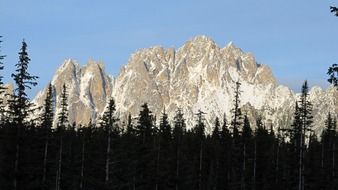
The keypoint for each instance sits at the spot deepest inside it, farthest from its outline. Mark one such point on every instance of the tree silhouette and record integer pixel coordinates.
(19, 104)
(47, 123)
(2, 88)
(61, 127)
(334, 10)
(333, 70)
(333, 75)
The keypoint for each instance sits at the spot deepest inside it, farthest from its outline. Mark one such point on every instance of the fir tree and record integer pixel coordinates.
(246, 152)
(145, 125)
(146, 156)
(163, 152)
(19, 104)
(165, 130)
(47, 123)
(61, 126)
(306, 119)
(200, 136)
(178, 134)
(328, 152)
(214, 176)
(236, 112)
(236, 148)
(226, 143)
(108, 122)
(2, 88)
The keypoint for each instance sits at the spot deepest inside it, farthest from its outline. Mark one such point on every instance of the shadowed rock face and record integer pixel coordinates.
(199, 75)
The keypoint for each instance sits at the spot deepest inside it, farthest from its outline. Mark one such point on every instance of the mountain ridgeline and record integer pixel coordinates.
(200, 118)
(197, 76)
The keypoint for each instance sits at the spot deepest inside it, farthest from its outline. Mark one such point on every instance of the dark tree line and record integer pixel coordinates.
(142, 153)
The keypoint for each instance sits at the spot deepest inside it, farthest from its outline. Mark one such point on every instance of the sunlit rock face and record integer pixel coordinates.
(88, 89)
(198, 75)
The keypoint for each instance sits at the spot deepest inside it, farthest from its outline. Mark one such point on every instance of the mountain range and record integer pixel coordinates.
(200, 75)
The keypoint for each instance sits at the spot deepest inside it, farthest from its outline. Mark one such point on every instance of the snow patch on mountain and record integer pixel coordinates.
(197, 76)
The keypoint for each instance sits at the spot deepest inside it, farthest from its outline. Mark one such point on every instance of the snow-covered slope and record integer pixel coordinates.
(199, 75)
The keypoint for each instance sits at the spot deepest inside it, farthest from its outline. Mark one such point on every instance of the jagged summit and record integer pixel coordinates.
(198, 75)
(89, 88)
(201, 39)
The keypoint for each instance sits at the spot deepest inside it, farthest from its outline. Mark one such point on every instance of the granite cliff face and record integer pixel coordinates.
(88, 87)
(199, 75)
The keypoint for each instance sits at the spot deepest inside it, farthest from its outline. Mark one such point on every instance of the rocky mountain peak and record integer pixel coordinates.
(89, 88)
(201, 40)
(198, 75)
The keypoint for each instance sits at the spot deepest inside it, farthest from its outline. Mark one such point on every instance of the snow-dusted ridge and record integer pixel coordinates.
(198, 75)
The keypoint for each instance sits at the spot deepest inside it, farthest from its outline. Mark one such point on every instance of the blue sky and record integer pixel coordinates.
(296, 38)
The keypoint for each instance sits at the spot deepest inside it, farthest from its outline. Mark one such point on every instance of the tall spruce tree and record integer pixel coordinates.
(19, 104)
(328, 160)
(226, 143)
(178, 134)
(47, 123)
(302, 125)
(236, 121)
(200, 137)
(108, 122)
(61, 127)
(164, 141)
(246, 153)
(215, 179)
(145, 152)
(145, 124)
(307, 120)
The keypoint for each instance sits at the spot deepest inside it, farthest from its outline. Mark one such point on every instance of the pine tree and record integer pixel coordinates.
(163, 152)
(47, 123)
(263, 157)
(200, 137)
(19, 105)
(306, 124)
(145, 125)
(2, 88)
(226, 143)
(236, 152)
(178, 134)
(312, 161)
(246, 149)
(165, 130)
(328, 151)
(214, 176)
(146, 151)
(61, 126)
(108, 122)
(236, 111)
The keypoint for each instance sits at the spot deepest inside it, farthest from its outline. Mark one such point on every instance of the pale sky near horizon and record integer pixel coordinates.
(297, 39)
